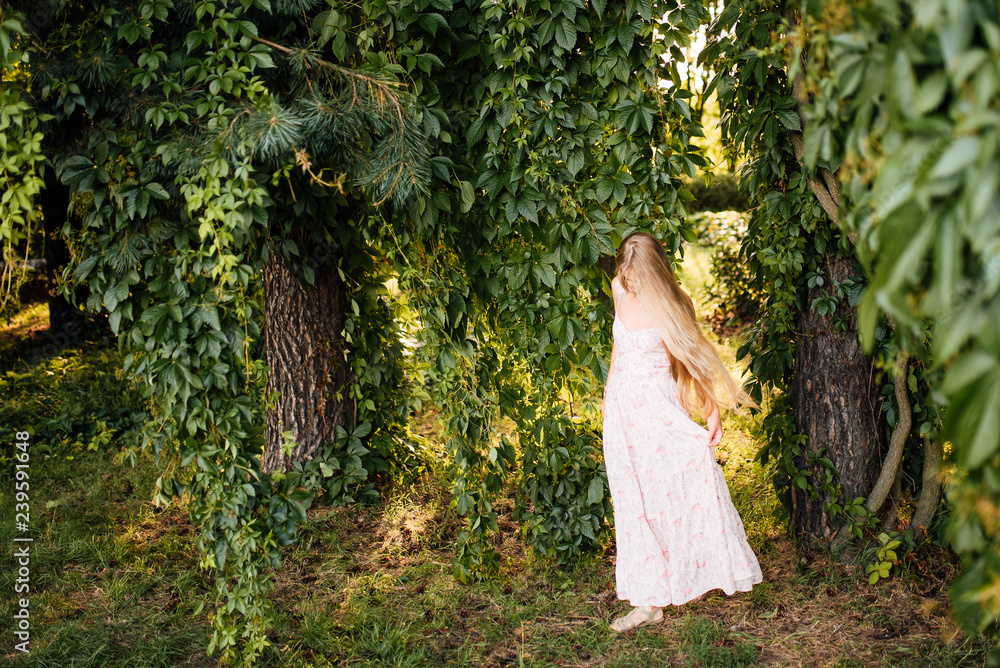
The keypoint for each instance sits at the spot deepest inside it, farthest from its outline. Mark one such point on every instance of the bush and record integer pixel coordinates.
(71, 402)
(735, 293)
(564, 478)
(720, 193)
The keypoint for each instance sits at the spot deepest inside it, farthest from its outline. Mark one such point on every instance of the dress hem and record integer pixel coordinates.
(741, 588)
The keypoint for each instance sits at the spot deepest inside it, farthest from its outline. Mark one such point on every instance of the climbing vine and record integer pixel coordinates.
(421, 140)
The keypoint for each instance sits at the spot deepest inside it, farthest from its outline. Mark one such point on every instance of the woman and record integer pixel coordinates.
(677, 532)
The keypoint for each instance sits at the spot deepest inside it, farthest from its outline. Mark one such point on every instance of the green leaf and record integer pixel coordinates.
(431, 22)
(153, 314)
(961, 152)
(114, 320)
(566, 34)
(984, 414)
(156, 190)
(528, 209)
(814, 136)
(904, 84)
(595, 493)
(468, 196)
(516, 275)
(967, 369)
(605, 187)
(547, 275)
(789, 118)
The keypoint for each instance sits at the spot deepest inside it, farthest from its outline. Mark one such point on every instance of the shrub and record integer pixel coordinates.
(720, 193)
(735, 293)
(564, 477)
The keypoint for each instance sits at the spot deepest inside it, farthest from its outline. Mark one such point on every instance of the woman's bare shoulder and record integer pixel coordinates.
(616, 288)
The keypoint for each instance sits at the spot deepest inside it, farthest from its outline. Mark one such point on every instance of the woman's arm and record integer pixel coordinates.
(714, 422)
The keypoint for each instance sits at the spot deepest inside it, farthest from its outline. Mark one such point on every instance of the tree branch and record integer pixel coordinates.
(829, 194)
(347, 72)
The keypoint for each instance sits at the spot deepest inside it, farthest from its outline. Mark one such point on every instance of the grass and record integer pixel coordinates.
(115, 580)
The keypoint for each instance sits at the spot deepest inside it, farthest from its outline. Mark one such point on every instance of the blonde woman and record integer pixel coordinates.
(678, 535)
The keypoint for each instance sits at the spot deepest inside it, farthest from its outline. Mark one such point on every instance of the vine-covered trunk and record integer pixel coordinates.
(835, 402)
(305, 353)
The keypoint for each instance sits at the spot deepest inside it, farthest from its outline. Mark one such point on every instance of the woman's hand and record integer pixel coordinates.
(714, 426)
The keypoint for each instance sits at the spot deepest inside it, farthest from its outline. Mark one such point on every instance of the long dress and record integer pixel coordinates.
(678, 534)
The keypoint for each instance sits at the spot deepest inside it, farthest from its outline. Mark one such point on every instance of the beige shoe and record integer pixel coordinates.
(638, 617)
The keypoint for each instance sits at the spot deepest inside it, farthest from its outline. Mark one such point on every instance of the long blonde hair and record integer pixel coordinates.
(695, 364)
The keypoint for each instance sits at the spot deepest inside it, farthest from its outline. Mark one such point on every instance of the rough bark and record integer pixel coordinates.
(55, 203)
(930, 491)
(834, 401)
(895, 499)
(305, 353)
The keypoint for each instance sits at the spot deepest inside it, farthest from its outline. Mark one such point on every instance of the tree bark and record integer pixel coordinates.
(55, 203)
(930, 491)
(306, 356)
(834, 401)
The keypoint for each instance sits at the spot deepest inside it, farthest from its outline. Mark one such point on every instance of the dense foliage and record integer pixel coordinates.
(20, 158)
(487, 156)
(905, 96)
(423, 140)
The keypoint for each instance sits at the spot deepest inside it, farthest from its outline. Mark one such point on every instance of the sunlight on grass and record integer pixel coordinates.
(695, 275)
(33, 317)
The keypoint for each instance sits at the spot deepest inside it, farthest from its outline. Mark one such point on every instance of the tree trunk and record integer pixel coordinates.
(835, 404)
(305, 353)
(55, 203)
(930, 491)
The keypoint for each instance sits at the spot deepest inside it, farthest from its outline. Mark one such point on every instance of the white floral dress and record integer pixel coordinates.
(678, 534)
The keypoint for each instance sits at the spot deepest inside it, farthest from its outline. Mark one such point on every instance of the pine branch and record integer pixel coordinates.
(374, 81)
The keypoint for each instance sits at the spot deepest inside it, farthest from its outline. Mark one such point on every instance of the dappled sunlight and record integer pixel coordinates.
(26, 323)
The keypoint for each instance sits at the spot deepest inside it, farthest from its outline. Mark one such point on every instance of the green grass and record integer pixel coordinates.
(115, 580)
(707, 643)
